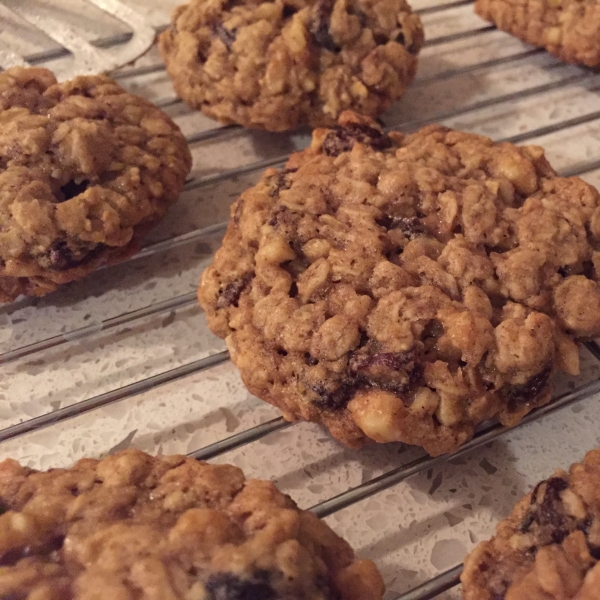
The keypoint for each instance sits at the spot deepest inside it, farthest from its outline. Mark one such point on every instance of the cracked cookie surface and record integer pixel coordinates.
(569, 29)
(280, 64)
(407, 288)
(549, 547)
(85, 169)
(136, 527)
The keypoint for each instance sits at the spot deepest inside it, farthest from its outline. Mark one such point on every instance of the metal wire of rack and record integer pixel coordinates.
(554, 81)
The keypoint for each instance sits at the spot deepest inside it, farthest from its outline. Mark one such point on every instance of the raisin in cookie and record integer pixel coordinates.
(407, 288)
(569, 29)
(143, 528)
(549, 547)
(85, 168)
(283, 63)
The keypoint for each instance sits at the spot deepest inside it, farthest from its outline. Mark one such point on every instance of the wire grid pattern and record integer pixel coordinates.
(471, 76)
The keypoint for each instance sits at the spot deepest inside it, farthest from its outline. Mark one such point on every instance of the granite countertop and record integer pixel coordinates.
(471, 77)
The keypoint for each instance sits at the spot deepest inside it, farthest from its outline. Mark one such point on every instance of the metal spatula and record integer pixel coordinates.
(88, 58)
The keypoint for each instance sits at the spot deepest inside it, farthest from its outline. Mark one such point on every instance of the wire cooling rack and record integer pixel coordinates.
(124, 358)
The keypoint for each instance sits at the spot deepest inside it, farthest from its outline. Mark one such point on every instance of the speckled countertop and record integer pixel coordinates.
(471, 77)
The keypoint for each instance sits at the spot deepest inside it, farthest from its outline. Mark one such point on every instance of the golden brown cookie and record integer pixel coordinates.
(549, 547)
(135, 527)
(280, 64)
(407, 288)
(569, 29)
(85, 169)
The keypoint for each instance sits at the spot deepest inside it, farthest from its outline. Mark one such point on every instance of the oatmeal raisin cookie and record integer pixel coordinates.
(407, 288)
(279, 64)
(549, 547)
(569, 29)
(135, 527)
(85, 168)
